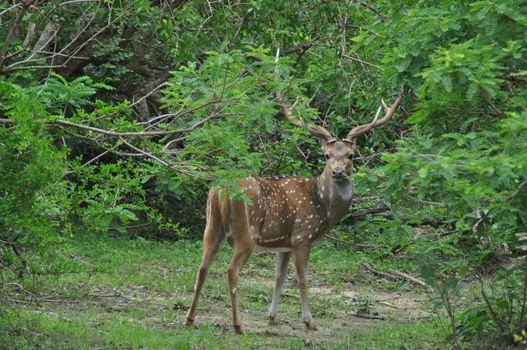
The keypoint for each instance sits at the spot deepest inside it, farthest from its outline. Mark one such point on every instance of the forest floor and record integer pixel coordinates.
(133, 294)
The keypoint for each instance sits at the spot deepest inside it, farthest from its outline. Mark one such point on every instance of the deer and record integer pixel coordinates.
(285, 215)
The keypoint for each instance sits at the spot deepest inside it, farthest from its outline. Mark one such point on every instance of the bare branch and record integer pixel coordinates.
(53, 66)
(117, 134)
(392, 274)
(371, 317)
(144, 132)
(372, 9)
(10, 9)
(10, 36)
(155, 158)
(148, 94)
(301, 47)
(356, 58)
(160, 118)
(49, 32)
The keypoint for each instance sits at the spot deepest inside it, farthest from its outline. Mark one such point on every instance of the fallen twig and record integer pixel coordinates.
(396, 275)
(385, 303)
(371, 317)
(333, 238)
(409, 278)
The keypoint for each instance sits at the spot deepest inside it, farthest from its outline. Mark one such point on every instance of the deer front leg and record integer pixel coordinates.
(301, 260)
(282, 260)
(239, 258)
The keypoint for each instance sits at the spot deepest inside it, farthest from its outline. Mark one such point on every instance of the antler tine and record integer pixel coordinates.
(314, 130)
(288, 112)
(363, 129)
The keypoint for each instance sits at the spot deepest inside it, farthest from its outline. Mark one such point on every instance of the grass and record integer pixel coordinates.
(133, 294)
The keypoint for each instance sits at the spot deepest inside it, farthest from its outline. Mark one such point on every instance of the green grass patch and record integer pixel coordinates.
(133, 294)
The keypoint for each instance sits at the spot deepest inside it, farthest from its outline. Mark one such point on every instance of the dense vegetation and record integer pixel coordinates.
(116, 117)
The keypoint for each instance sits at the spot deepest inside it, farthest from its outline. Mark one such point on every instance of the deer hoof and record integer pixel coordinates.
(310, 325)
(238, 330)
(189, 322)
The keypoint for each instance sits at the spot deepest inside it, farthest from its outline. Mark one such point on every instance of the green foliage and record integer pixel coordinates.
(204, 74)
(33, 192)
(466, 160)
(60, 93)
(108, 197)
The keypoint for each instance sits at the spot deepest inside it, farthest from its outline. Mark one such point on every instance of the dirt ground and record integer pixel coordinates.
(341, 308)
(381, 306)
(353, 312)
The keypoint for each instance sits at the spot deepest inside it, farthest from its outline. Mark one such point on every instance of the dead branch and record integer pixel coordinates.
(115, 133)
(373, 9)
(371, 317)
(333, 238)
(9, 9)
(155, 158)
(493, 313)
(520, 188)
(395, 275)
(29, 35)
(11, 34)
(400, 247)
(385, 303)
(301, 47)
(365, 214)
(149, 93)
(53, 66)
(49, 32)
(15, 250)
(21, 287)
(356, 58)
(381, 211)
(409, 278)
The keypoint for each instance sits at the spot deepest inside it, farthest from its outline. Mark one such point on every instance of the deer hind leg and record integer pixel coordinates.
(212, 238)
(282, 260)
(301, 260)
(239, 258)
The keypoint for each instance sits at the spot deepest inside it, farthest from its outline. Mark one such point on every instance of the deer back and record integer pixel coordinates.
(281, 213)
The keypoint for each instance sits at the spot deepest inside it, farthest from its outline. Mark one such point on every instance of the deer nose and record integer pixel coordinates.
(338, 173)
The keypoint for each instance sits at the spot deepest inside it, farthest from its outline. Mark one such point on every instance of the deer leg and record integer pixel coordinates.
(239, 258)
(211, 243)
(282, 260)
(301, 260)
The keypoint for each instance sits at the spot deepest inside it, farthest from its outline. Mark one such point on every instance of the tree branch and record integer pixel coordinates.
(115, 133)
(10, 36)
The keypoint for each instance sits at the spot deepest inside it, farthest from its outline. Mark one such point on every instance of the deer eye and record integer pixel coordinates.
(351, 156)
(326, 156)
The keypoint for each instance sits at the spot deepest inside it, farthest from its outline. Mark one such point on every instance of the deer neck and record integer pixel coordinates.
(335, 196)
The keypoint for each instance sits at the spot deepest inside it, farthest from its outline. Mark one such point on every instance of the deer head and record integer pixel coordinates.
(339, 154)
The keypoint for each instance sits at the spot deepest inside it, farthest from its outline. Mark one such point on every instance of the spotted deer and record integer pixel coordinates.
(284, 215)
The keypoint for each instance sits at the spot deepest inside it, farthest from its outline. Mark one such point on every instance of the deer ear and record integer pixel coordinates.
(324, 142)
(351, 144)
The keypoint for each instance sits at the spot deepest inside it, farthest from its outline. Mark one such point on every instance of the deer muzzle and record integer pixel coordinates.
(338, 174)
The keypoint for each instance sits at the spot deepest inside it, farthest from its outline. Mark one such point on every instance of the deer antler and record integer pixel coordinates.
(363, 129)
(314, 130)
(288, 112)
